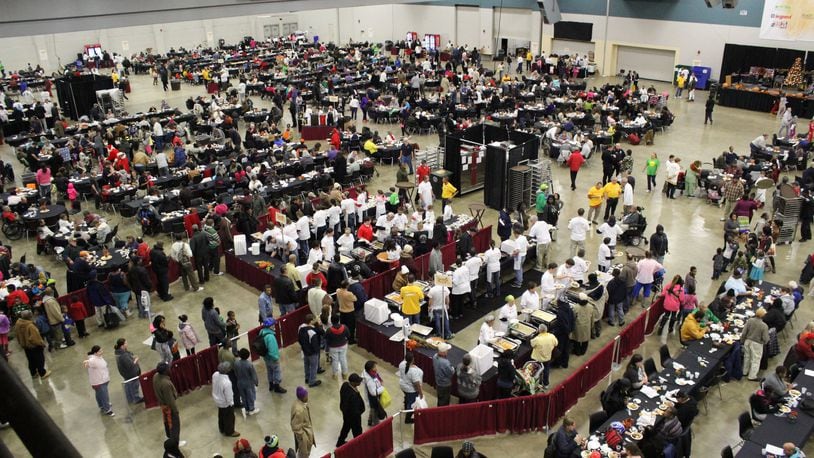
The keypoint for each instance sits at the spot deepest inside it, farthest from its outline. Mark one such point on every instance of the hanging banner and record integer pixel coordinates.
(791, 20)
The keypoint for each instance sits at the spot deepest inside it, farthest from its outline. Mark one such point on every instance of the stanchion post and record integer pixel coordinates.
(647, 318)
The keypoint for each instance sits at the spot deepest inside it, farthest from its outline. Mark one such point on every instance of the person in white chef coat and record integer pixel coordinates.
(506, 315)
(530, 299)
(493, 256)
(548, 285)
(487, 331)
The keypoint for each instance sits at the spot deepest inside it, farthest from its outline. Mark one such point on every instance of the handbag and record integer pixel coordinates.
(385, 399)
(420, 403)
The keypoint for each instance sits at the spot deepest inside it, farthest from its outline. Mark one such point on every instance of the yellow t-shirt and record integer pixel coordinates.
(595, 196)
(612, 190)
(542, 346)
(448, 190)
(411, 297)
(371, 147)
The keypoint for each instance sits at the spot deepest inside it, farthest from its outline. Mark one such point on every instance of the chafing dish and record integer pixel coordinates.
(420, 329)
(502, 344)
(542, 317)
(522, 330)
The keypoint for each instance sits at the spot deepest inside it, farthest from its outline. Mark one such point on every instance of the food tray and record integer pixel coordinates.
(522, 330)
(502, 344)
(394, 297)
(421, 329)
(542, 316)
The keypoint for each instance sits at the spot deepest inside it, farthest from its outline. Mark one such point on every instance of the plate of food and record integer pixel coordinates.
(632, 406)
(784, 409)
(636, 436)
(106, 258)
(794, 393)
(663, 406)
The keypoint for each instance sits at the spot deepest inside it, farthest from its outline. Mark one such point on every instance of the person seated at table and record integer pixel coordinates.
(65, 226)
(737, 283)
(691, 328)
(804, 349)
(615, 397)
(686, 409)
(776, 381)
(9, 216)
(635, 373)
(567, 443)
(81, 267)
(775, 317)
(89, 217)
(71, 252)
(763, 402)
(148, 219)
(792, 451)
(669, 427)
(709, 316)
(102, 230)
(723, 304)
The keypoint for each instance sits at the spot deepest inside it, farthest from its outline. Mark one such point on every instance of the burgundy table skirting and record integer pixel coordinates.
(187, 374)
(376, 442)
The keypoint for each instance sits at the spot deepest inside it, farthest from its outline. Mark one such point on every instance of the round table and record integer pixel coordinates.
(50, 215)
(117, 261)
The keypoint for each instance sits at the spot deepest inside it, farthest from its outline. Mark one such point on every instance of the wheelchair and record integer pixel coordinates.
(634, 235)
(13, 230)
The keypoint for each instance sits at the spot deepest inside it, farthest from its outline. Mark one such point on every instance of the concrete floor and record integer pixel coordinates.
(692, 225)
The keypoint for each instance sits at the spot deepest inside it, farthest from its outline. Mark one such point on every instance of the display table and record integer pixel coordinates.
(244, 269)
(376, 339)
(315, 132)
(762, 101)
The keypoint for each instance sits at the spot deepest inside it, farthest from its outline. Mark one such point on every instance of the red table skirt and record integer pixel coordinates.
(315, 132)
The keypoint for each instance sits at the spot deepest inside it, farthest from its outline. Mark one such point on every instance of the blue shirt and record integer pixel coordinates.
(443, 371)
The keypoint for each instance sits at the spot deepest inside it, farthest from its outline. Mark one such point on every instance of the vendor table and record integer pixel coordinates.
(315, 132)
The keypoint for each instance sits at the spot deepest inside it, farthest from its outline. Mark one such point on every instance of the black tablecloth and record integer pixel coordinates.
(761, 101)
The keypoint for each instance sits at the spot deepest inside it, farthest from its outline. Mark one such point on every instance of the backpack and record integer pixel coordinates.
(110, 318)
(42, 325)
(259, 346)
(634, 139)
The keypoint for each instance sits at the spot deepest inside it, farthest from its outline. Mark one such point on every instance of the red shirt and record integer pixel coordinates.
(575, 161)
(365, 232)
(77, 311)
(311, 275)
(422, 171)
(15, 294)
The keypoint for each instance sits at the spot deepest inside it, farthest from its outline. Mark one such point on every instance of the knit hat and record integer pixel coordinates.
(268, 322)
(509, 298)
(301, 392)
(354, 378)
(272, 441)
(242, 444)
(467, 447)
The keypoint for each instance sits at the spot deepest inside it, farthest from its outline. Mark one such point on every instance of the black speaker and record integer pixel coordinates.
(712, 3)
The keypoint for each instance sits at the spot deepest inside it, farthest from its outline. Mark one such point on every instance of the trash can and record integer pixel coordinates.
(437, 180)
(175, 84)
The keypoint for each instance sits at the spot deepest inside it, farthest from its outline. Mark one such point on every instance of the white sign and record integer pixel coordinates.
(43, 55)
(125, 45)
(442, 279)
(789, 20)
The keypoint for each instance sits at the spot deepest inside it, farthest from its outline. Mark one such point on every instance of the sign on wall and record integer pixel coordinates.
(790, 20)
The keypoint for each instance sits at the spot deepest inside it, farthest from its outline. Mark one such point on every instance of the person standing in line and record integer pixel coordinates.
(139, 282)
(99, 379)
(224, 400)
(336, 338)
(215, 327)
(575, 161)
(443, 373)
(309, 335)
(128, 367)
(579, 229)
(374, 389)
(166, 394)
(199, 245)
(410, 379)
(247, 382)
(542, 348)
(161, 268)
(181, 253)
(213, 241)
(189, 337)
(272, 356)
(301, 424)
(469, 380)
(352, 407)
(30, 339)
(708, 107)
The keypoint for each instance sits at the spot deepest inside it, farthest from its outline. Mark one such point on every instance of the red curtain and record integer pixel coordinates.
(654, 313)
(82, 295)
(381, 346)
(252, 334)
(207, 364)
(632, 336)
(521, 415)
(599, 366)
(448, 254)
(454, 422)
(146, 382)
(288, 325)
(376, 442)
(185, 375)
(482, 238)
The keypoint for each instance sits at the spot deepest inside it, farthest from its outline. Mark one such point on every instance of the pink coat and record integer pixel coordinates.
(673, 297)
(72, 194)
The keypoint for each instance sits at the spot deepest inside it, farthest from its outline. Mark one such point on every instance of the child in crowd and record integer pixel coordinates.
(189, 338)
(689, 303)
(718, 262)
(232, 330)
(758, 267)
(41, 321)
(78, 313)
(741, 262)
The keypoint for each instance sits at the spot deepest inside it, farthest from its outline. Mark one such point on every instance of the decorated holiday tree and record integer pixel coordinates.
(795, 76)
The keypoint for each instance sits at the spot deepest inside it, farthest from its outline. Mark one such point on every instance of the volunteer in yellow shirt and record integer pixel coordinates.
(448, 191)
(595, 195)
(371, 147)
(411, 297)
(612, 191)
(542, 347)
